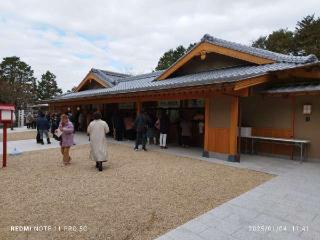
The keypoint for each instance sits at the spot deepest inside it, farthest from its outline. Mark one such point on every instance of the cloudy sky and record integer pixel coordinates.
(70, 37)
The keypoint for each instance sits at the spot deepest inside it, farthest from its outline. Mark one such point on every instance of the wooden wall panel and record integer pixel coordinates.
(273, 148)
(218, 140)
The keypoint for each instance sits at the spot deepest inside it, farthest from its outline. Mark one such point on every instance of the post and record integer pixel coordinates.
(11, 120)
(138, 107)
(293, 106)
(4, 156)
(234, 115)
(206, 128)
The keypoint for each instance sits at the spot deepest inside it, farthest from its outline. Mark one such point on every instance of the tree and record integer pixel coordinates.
(281, 41)
(307, 35)
(260, 42)
(171, 56)
(18, 81)
(5, 96)
(73, 89)
(304, 40)
(48, 87)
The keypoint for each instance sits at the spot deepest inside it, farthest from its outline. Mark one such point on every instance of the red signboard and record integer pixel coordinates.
(7, 107)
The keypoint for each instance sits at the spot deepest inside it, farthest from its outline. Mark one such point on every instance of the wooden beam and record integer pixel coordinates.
(90, 76)
(233, 144)
(312, 72)
(302, 93)
(212, 48)
(209, 47)
(172, 94)
(138, 107)
(251, 82)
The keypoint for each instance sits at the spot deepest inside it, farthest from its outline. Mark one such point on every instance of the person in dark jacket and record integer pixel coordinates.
(141, 126)
(118, 126)
(43, 127)
(164, 129)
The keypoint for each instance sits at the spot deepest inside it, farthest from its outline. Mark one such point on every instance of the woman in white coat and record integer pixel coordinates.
(97, 130)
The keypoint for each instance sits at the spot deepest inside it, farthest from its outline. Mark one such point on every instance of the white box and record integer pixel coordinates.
(246, 131)
(5, 115)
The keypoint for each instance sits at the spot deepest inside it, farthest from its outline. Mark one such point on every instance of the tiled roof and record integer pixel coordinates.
(123, 83)
(111, 78)
(295, 87)
(278, 57)
(146, 82)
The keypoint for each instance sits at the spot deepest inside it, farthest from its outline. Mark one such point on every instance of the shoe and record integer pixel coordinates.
(97, 165)
(165, 147)
(136, 149)
(48, 141)
(144, 149)
(100, 166)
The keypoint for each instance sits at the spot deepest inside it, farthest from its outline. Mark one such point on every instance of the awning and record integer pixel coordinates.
(294, 88)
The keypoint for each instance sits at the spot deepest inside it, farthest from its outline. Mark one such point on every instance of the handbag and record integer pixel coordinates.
(57, 134)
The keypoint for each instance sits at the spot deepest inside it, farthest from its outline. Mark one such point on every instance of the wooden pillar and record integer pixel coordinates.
(293, 106)
(138, 107)
(206, 127)
(233, 138)
(4, 147)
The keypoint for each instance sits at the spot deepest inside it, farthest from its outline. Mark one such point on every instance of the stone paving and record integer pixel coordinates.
(286, 207)
(31, 145)
(19, 129)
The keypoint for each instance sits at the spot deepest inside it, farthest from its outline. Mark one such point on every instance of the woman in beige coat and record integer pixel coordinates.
(97, 130)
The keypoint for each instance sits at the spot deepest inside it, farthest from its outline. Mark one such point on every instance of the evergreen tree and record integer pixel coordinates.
(307, 36)
(281, 41)
(171, 56)
(18, 85)
(304, 40)
(5, 96)
(48, 87)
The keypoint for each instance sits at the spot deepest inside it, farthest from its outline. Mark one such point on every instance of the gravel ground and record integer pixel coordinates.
(139, 195)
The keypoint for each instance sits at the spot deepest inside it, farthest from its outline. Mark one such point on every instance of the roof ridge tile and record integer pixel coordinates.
(278, 57)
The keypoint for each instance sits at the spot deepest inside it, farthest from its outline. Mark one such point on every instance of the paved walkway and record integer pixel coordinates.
(286, 207)
(31, 145)
(18, 129)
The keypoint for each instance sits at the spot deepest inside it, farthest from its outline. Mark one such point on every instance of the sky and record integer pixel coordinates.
(69, 38)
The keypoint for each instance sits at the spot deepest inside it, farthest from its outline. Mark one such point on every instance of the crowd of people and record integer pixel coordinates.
(144, 129)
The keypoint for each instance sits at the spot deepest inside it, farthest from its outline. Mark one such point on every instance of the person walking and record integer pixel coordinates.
(97, 131)
(35, 117)
(29, 120)
(164, 123)
(141, 126)
(43, 127)
(66, 129)
(151, 135)
(118, 126)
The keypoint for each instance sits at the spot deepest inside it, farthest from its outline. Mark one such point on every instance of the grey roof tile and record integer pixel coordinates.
(146, 82)
(111, 78)
(278, 57)
(295, 87)
(123, 83)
